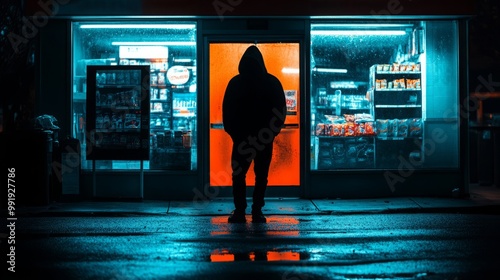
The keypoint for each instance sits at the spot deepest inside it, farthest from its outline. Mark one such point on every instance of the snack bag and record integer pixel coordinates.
(320, 129)
(415, 127)
(382, 127)
(402, 128)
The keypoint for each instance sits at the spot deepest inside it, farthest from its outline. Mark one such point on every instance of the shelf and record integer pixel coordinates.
(344, 137)
(398, 106)
(397, 72)
(120, 108)
(397, 138)
(113, 86)
(396, 89)
(121, 130)
(159, 101)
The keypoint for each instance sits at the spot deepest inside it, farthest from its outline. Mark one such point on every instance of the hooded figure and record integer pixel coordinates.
(253, 114)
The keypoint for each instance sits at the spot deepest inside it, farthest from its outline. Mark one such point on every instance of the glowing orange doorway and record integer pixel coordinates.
(283, 61)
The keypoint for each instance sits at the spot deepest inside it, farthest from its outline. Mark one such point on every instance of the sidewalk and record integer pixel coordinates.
(483, 199)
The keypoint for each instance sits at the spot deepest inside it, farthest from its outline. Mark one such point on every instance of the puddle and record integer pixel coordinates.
(225, 255)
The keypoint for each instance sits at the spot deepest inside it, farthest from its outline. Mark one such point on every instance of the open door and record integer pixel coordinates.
(283, 61)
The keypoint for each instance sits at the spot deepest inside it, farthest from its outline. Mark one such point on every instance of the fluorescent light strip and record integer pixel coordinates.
(330, 70)
(135, 26)
(287, 70)
(361, 25)
(359, 32)
(153, 43)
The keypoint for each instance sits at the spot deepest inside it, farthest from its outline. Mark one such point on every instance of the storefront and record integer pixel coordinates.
(374, 91)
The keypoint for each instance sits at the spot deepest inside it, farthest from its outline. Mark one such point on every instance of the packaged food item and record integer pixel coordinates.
(350, 129)
(395, 67)
(382, 127)
(349, 118)
(328, 129)
(360, 129)
(392, 128)
(415, 127)
(154, 79)
(387, 67)
(402, 128)
(399, 83)
(161, 78)
(163, 94)
(337, 129)
(369, 128)
(383, 84)
(320, 129)
(380, 68)
(413, 83)
(363, 117)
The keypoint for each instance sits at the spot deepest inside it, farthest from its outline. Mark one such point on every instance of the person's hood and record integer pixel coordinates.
(252, 63)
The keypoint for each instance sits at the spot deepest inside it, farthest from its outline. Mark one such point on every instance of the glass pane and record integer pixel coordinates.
(170, 50)
(376, 91)
(282, 60)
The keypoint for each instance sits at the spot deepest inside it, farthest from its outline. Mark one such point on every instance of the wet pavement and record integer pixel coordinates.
(481, 199)
(386, 238)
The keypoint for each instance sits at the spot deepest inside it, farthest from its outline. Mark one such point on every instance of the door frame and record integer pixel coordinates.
(204, 122)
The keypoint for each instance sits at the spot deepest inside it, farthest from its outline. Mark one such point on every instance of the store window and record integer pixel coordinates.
(384, 95)
(169, 48)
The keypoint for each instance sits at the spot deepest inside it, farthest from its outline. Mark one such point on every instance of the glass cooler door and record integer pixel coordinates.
(377, 95)
(169, 48)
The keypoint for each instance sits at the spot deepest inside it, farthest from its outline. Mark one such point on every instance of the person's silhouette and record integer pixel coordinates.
(253, 114)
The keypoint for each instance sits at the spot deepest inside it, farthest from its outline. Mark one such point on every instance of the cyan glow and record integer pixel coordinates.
(134, 26)
(358, 32)
(330, 70)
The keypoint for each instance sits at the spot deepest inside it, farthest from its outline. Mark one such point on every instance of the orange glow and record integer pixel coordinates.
(288, 224)
(221, 256)
(224, 60)
(225, 255)
(283, 256)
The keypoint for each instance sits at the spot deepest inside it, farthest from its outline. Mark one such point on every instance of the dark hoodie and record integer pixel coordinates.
(254, 101)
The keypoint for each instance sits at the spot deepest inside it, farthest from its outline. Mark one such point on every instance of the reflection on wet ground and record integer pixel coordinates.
(225, 255)
(275, 226)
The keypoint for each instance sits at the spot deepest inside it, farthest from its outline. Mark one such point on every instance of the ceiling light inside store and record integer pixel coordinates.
(135, 26)
(330, 70)
(358, 32)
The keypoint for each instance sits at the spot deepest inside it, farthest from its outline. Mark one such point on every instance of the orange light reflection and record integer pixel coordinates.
(275, 226)
(225, 255)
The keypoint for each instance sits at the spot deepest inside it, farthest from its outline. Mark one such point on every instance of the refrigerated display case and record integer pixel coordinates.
(117, 113)
(169, 49)
(379, 99)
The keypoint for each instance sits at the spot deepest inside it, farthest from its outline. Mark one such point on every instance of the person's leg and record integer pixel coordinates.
(262, 163)
(239, 164)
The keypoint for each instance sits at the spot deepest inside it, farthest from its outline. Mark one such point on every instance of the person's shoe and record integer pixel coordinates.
(237, 217)
(258, 217)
